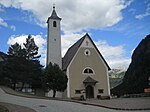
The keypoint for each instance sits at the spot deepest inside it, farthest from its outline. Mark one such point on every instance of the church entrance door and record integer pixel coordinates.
(89, 92)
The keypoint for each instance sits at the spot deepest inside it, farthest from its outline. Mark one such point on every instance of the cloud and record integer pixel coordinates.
(78, 15)
(13, 27)
(145, 14)
(132, 10)
(141, 16)
(114, 55)
(39, 40)
(6, 3)
(3, 23)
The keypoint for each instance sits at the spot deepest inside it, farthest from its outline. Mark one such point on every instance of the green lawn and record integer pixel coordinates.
(3, 109)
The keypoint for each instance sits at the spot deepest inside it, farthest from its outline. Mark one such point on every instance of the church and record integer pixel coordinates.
(84, 65)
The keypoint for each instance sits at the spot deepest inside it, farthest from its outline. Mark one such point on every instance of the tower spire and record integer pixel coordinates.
(54, 14)
(53, 6)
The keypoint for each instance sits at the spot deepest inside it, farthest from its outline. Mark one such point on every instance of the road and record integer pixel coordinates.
(43, 105)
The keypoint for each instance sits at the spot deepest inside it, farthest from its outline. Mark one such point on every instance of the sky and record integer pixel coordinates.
(115, 26)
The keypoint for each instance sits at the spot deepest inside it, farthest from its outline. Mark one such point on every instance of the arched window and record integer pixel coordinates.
(54, 24)
(88, 71)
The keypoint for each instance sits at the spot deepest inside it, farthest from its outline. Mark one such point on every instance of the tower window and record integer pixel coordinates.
(54, 24)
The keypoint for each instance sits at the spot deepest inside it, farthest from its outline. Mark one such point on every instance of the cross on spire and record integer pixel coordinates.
(54, 14)
(53, 6)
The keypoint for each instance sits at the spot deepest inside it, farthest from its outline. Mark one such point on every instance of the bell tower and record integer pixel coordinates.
(54, 39)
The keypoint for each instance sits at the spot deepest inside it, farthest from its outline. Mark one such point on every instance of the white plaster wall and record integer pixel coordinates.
(54, 43)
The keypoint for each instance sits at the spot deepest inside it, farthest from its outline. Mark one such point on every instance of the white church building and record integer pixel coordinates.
(84, 65)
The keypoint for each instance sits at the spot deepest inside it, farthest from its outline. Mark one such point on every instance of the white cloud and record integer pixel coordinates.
(3, 23)
(19, 39)
(39, 40)
(141, 16)
(13, 27)
(145, 14)
(132, 10)
(114, 55)
(78, 15)
(6, 3)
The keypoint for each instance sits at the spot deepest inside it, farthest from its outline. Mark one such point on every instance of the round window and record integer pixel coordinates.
(87, 52)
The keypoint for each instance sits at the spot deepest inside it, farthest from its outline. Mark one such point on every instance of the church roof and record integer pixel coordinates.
(73, 49)
(54, 15)
(89, 80)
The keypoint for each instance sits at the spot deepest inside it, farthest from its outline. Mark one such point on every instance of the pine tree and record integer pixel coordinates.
(55, 79)
(31, 49)
(22, 64)
(16, 50)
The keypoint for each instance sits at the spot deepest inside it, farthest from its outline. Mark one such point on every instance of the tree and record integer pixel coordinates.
(1, 73)
(32, 54)
(16, 50)
(29, 52)
(36, 74)
(22, 64)
(11, 71)
(55, 79)
(31, 49)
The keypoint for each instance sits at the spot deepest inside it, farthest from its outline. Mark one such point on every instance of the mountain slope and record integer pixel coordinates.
(136, 77)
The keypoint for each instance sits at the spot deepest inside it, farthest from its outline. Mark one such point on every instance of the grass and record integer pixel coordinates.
(3, 109)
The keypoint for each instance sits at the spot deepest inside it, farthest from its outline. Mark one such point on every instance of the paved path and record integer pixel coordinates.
(16, 108)
(141, 103)
(43, 105)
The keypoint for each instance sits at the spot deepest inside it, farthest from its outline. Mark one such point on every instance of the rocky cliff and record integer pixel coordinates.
(138, 73)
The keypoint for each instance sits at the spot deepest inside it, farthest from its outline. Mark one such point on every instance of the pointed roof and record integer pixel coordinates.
(89, 80)
(74, 48)
(54, 15)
